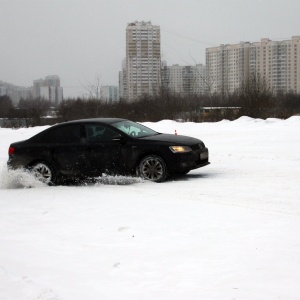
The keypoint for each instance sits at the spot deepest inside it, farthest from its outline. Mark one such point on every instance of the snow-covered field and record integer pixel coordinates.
(229, 230)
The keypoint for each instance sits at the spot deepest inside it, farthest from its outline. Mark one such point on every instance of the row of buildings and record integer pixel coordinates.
(277, 62)
(48, 88)
(227, 66)
(226, 69)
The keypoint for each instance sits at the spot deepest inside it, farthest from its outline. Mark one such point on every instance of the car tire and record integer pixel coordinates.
(44, 173)
(153, 168)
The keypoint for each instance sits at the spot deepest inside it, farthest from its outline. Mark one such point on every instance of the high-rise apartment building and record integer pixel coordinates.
(52, 80)
(48, 89)
(185, 80)
(53, 94)
(277, 62)
(109, 93)
(37, 84)
(142, 68)
(3, 91)
(123, 81)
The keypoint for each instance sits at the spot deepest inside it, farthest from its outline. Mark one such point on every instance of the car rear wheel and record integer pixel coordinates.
(153, 168)
(44, 173)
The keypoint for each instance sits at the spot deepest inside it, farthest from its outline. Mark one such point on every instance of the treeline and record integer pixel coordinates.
(252, 100)
(30, 110)
(192, 108)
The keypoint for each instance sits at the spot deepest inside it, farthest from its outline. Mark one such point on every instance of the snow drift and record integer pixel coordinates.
(226, 231)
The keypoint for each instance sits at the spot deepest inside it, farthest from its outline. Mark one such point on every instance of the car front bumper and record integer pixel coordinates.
(189, 161)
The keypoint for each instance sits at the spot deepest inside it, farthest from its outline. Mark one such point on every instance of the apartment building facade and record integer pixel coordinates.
(37, 85)
(109, 93)
(53, 94)
(142, 70)
(48, 89)
(277, 62)
(15, 92)
(184, 80)
(3, 91)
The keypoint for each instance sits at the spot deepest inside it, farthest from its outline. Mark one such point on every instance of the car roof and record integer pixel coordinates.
(91, 120)
(96, 120)
(80, 121)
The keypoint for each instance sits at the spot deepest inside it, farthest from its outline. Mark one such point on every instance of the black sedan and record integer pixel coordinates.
(92, 147)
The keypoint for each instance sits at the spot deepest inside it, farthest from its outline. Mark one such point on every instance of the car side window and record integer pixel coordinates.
(100, 133)
(62, 135)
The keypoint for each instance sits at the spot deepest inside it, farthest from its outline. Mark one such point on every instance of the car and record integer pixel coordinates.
(88, 148)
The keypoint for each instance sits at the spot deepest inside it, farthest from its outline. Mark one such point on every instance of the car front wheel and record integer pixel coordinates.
(153, 168)
(43, 172)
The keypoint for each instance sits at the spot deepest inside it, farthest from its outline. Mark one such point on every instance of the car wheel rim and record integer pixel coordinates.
(42, 172)
(152, 169)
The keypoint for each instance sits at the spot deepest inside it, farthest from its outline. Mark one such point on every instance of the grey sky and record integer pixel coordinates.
(80, 39)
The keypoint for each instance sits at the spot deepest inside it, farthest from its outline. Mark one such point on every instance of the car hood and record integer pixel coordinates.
(173, 139)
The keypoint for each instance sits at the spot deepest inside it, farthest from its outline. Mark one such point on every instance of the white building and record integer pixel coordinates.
(109, 93)
(123, 81)
(48, 89)
(37, 84)
(52, 80)
(185, 80)
(3, 91)
(15, 92)
(53, 94)
(142, 69)
(278, 62)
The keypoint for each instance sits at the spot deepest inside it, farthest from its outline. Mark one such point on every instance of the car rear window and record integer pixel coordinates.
(62, 135)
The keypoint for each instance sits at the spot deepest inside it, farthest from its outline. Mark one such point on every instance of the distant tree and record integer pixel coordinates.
(33, 109)
(209, 80)
(6, 107)
(256, 97)
(287, 104)
(93, 88)
(80, 108)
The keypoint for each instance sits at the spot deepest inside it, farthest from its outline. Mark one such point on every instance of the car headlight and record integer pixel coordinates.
(180, 149)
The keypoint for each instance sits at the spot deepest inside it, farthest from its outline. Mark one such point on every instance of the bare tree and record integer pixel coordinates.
(256, 97)
(93, 88)
(209, 80)
(33, 110)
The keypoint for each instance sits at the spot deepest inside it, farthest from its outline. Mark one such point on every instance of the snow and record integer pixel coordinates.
(229, 230)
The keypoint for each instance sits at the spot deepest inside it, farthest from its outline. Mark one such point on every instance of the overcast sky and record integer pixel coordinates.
(82, 39)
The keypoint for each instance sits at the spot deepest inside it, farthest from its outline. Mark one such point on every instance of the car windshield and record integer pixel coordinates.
(134, 129)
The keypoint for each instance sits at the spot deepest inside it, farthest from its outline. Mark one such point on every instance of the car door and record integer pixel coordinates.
(67, 149)
(104, 149)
